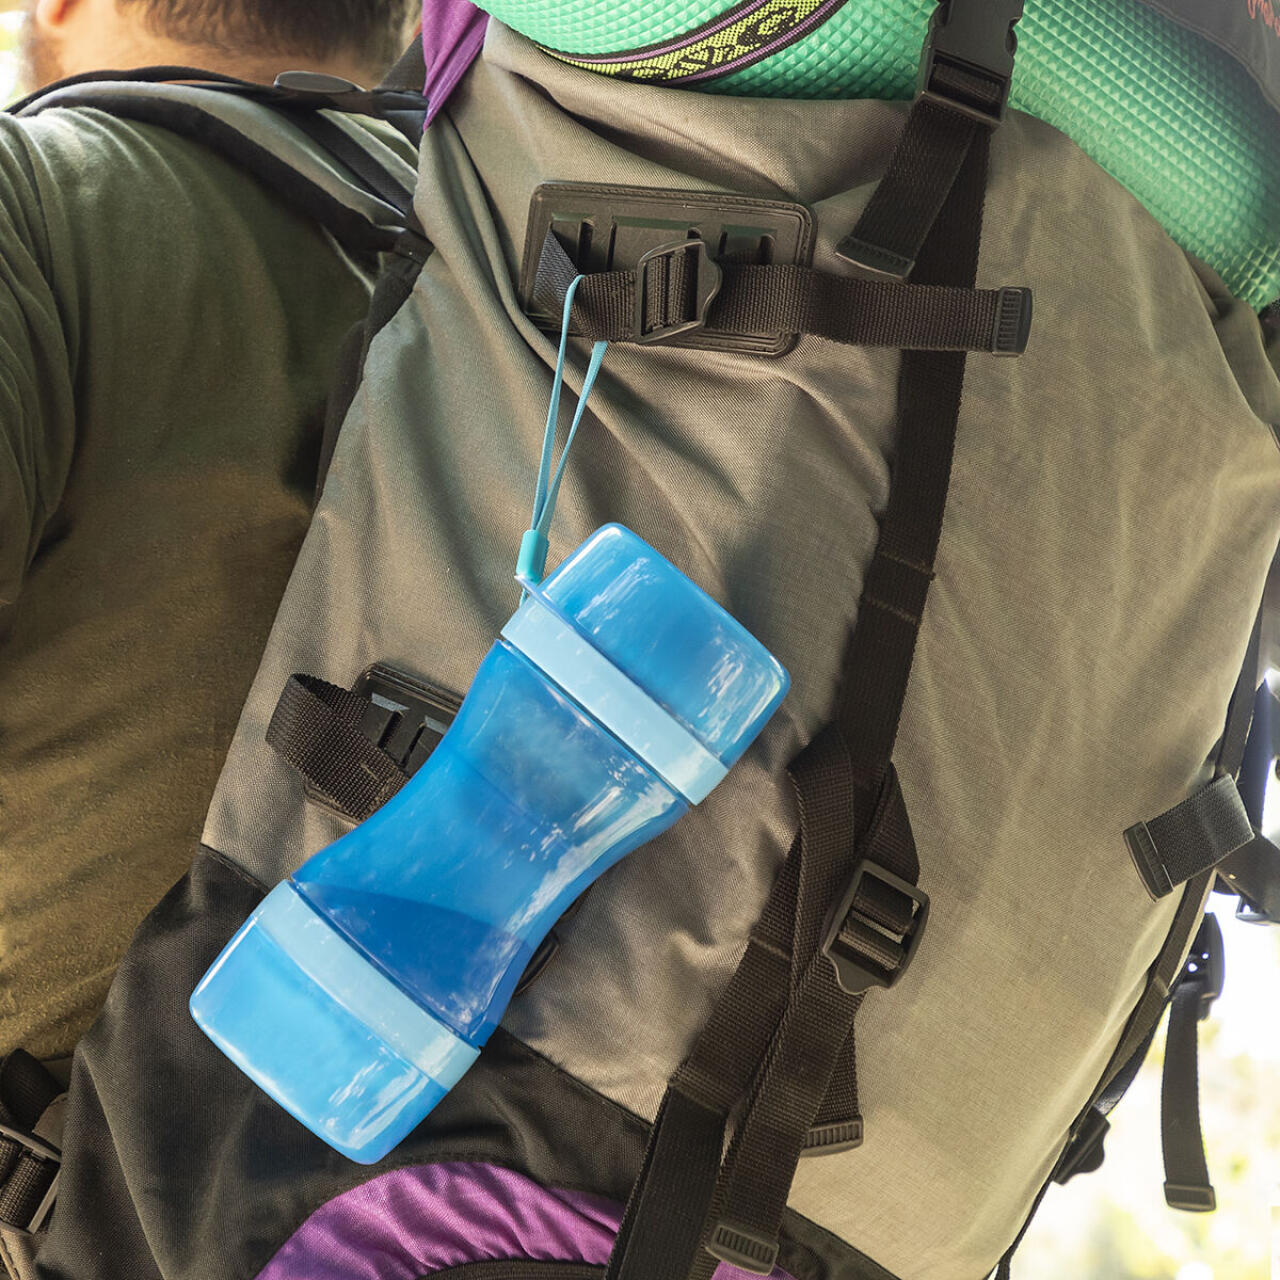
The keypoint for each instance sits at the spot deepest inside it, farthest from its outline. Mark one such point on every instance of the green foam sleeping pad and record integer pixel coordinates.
(1167, 114)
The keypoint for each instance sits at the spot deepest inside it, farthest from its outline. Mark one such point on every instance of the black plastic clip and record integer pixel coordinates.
(707, 279)
(1012, 328)
(739, 1246)
(967, 64)
(47, 1153)
(855, 970)
(1206, 964)
(1086, 1151)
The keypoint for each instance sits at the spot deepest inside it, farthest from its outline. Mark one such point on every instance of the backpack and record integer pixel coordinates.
(852, 1016)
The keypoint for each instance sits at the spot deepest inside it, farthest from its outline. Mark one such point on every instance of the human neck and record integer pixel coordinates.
(261, 68)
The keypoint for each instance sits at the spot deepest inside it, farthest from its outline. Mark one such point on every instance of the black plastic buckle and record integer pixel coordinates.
(971, 42)
(47, 1153)
(854, 971)
(739, 1246)
(407, 717)
(707, 281)
(1206, 964)
(1085, 1152)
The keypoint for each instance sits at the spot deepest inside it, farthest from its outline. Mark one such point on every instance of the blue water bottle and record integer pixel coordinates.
(363, 987)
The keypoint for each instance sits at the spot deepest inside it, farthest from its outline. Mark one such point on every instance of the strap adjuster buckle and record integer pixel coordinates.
(967, 63)
(707, 279)
(46, 1152)
(859, 945)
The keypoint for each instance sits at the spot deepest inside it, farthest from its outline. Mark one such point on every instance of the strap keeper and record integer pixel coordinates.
(739, 1246)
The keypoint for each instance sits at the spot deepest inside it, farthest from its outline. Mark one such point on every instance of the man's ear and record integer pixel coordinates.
(52, 15)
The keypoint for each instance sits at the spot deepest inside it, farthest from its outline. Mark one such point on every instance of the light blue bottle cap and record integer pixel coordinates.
(652, 657)
(324, 1031)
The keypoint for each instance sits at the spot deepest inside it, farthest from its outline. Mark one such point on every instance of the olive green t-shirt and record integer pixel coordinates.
(168, 335)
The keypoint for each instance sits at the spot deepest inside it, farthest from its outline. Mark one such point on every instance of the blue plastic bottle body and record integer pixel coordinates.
(450, 886)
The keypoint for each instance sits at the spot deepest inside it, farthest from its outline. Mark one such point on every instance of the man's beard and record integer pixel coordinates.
(39, 60)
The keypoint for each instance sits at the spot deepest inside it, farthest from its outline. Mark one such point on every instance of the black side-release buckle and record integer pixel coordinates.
(967, 64)
(1206, 964)
(864, 951)
(661, 263)
(46, 1154)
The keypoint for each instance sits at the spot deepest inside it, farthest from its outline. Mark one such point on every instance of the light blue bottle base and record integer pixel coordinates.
(323, 1031)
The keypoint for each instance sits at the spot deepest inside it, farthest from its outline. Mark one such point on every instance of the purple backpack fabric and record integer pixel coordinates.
(429, 1219)
(452, 35)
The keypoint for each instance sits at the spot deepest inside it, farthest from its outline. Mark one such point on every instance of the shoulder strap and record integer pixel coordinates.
(291, 139)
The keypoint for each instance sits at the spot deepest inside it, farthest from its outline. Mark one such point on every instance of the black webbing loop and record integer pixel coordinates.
(316, 728)
(903, 209)
(670, 1202)
(28, 1164)
(1211, 824)
(683, 289)
(1189, 838)
(796, 1075)
(966, 68)
(1186, 1171)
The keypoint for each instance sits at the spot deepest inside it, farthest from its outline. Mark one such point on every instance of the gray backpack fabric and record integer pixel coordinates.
(1113, 512)
(1112, 517)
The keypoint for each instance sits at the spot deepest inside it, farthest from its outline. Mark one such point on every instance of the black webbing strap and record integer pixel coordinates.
(1253, 872)
(28, 1165)
(888, 237)
(669, 1205)
(1186, 1171)
(881, 916)
(965, 74)
(1208, 826)
(681, 288)
(784, 1018)
(316, 727)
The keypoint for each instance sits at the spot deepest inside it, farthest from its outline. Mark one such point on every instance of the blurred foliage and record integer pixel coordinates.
(1114, 1224)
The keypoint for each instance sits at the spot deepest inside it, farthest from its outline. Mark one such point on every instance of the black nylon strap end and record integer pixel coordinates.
(1012, 328)
(829, 1139)
(1190, 1199)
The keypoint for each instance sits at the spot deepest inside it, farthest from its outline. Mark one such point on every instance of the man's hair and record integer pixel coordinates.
(374, 29)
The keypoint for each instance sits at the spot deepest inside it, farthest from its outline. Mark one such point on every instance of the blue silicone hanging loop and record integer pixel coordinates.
(532, 561)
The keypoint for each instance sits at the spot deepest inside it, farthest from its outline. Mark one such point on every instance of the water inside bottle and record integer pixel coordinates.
(460, 969)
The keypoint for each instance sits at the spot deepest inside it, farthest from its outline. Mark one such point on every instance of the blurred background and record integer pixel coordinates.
(1114, 1224)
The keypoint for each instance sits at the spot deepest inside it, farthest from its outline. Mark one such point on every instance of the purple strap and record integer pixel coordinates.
(418, 1221)
(452, 35)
